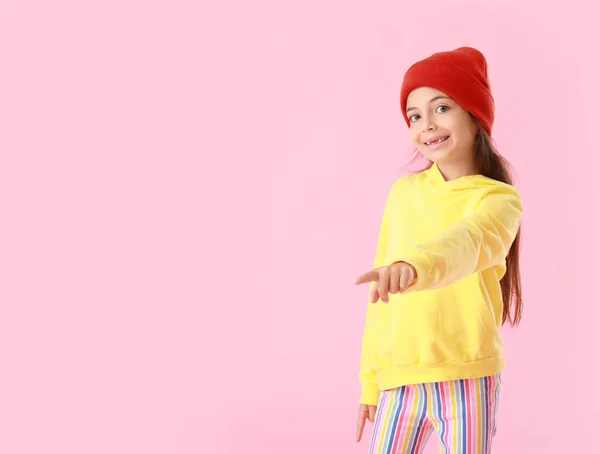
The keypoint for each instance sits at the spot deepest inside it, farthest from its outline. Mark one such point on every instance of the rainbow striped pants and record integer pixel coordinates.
(462, 413)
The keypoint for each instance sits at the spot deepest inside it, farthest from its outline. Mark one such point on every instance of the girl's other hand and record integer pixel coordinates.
(364, 412)
(394, 278)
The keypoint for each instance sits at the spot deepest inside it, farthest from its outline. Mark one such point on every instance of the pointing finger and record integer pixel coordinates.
(359, 427)
(372, 275)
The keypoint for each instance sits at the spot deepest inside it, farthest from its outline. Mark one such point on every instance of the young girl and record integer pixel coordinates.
(446, 273)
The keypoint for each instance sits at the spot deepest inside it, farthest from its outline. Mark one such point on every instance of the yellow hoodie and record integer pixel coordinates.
(445, 326)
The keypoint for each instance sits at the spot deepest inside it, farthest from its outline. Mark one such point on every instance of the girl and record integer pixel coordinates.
(446, 273)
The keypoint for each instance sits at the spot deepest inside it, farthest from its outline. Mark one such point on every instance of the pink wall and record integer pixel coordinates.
(187, 196)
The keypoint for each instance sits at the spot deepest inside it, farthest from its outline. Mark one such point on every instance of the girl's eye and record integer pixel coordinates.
(442, 107)
(413, 118)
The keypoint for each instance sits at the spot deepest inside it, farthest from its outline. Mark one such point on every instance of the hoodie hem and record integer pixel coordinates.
(396, 376)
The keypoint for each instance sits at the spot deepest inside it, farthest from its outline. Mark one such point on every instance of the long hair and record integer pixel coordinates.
(492, 165)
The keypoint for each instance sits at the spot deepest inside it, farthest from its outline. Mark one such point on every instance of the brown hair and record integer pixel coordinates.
(492, 165)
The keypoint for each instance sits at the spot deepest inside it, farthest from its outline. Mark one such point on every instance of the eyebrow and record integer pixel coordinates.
(430, 101)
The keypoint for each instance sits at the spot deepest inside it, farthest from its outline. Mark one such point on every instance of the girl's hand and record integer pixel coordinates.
(394, 278)
(364, 412)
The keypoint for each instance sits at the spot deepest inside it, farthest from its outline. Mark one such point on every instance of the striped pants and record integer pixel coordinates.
(462, 412)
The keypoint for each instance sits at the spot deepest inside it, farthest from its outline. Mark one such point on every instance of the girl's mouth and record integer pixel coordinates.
(433, 143)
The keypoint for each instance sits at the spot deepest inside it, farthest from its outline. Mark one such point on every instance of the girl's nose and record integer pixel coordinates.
(429, 124)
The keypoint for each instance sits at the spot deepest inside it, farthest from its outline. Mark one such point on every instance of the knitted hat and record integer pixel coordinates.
(461, 74)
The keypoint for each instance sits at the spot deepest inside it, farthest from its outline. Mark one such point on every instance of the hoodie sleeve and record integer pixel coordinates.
(479, 241)
(369, 394)
(367, 377)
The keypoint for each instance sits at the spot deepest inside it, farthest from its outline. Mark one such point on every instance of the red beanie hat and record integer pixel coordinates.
(461, 74)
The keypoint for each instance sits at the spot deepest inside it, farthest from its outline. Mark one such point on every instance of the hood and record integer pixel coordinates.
(458, 184)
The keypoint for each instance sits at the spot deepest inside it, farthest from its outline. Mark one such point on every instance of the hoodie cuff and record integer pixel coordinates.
(369, 394)
(422, 266)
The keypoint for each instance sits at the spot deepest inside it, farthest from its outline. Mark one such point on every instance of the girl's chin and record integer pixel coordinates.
(436, 156)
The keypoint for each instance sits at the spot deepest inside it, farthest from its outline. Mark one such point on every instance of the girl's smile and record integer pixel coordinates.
(436, 142)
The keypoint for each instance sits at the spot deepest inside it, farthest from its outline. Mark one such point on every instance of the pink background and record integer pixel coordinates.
(188, 192)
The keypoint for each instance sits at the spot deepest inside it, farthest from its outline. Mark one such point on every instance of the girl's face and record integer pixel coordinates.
(441, 129)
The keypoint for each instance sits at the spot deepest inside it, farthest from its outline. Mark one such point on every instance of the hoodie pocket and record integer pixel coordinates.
(468, 325)
(453, 323)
